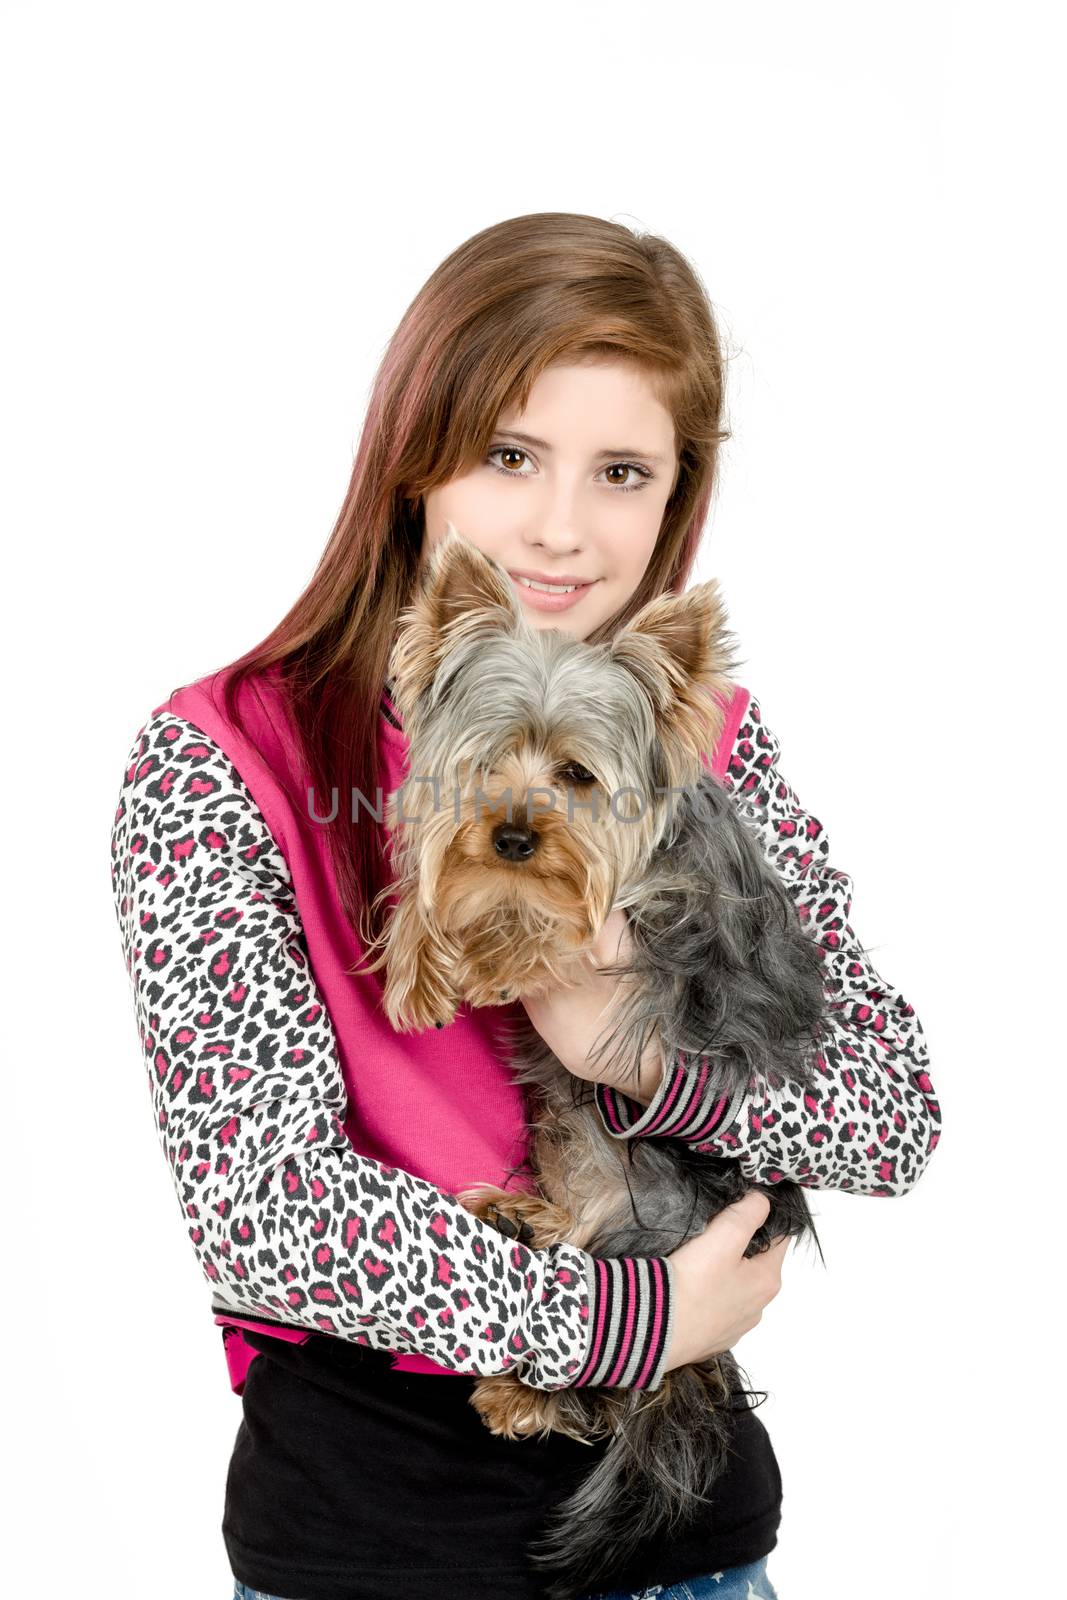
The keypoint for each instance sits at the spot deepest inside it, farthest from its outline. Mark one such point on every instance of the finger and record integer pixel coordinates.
(754, 1205)
(742, 1217)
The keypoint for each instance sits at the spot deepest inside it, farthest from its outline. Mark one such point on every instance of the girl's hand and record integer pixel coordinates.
(571, 1018)
(720, 1293)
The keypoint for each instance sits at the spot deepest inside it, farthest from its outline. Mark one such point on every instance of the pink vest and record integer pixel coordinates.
(439, 1104)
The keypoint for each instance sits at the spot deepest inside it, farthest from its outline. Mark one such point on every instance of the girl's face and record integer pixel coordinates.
(572, 491)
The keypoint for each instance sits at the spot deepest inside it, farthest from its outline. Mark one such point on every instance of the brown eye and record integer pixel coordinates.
(574, 772)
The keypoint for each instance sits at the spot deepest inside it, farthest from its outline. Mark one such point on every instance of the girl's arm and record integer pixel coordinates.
(286, 1219)
(873, 1122)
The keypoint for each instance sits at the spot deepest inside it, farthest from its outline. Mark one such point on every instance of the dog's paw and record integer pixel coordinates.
(512, 1409)
(502, 1210)
(410, 1019)
(482, 988)
(510, 1227)
(411, 1009)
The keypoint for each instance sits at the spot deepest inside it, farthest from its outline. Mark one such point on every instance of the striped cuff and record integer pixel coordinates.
(689, 1104)
(631, 1315)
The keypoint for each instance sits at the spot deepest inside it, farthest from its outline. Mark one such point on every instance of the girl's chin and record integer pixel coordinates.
(580, 626)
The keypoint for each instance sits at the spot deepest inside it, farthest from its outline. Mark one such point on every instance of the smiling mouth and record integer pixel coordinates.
(552, 588)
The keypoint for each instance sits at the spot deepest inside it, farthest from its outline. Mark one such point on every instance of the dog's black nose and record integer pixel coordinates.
(514, 841)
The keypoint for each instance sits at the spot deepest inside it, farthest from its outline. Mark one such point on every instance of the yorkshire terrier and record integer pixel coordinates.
(566, 779)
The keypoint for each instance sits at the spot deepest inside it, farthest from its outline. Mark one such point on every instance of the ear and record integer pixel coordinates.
(461, 596)
(680, 650)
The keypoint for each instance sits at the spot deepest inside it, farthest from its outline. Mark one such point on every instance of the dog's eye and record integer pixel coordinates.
(574, 772)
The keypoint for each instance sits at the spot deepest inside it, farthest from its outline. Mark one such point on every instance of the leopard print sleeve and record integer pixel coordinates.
(873, 1121)
(287, 1220)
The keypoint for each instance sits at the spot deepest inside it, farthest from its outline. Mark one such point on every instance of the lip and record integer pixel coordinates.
(550, 602)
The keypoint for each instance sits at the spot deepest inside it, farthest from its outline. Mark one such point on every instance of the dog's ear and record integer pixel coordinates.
(467, 590)
(462, 595)
(680, 650)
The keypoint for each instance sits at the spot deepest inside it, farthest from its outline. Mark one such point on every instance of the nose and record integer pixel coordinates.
(514, 841)
(554, 523)
(557, 534)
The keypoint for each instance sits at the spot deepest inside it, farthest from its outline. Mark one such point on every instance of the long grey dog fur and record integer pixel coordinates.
(727, 970)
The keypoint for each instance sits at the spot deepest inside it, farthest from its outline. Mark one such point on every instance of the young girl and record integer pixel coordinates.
(556, 391)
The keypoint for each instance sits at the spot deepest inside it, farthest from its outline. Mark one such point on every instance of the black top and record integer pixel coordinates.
(350, 1480)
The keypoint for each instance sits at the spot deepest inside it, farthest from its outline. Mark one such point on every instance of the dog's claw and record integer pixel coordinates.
(509, 1227)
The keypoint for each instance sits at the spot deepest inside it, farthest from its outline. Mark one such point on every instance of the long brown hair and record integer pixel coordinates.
(516, 297)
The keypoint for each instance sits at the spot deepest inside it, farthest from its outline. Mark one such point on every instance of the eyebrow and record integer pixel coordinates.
(601, 455)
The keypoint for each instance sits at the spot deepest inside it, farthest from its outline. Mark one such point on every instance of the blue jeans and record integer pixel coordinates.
(733, 1583)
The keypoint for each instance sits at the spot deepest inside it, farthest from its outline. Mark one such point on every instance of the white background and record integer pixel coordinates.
(215, 216)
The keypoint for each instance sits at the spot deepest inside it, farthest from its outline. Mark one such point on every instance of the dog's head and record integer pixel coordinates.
(541, 768)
